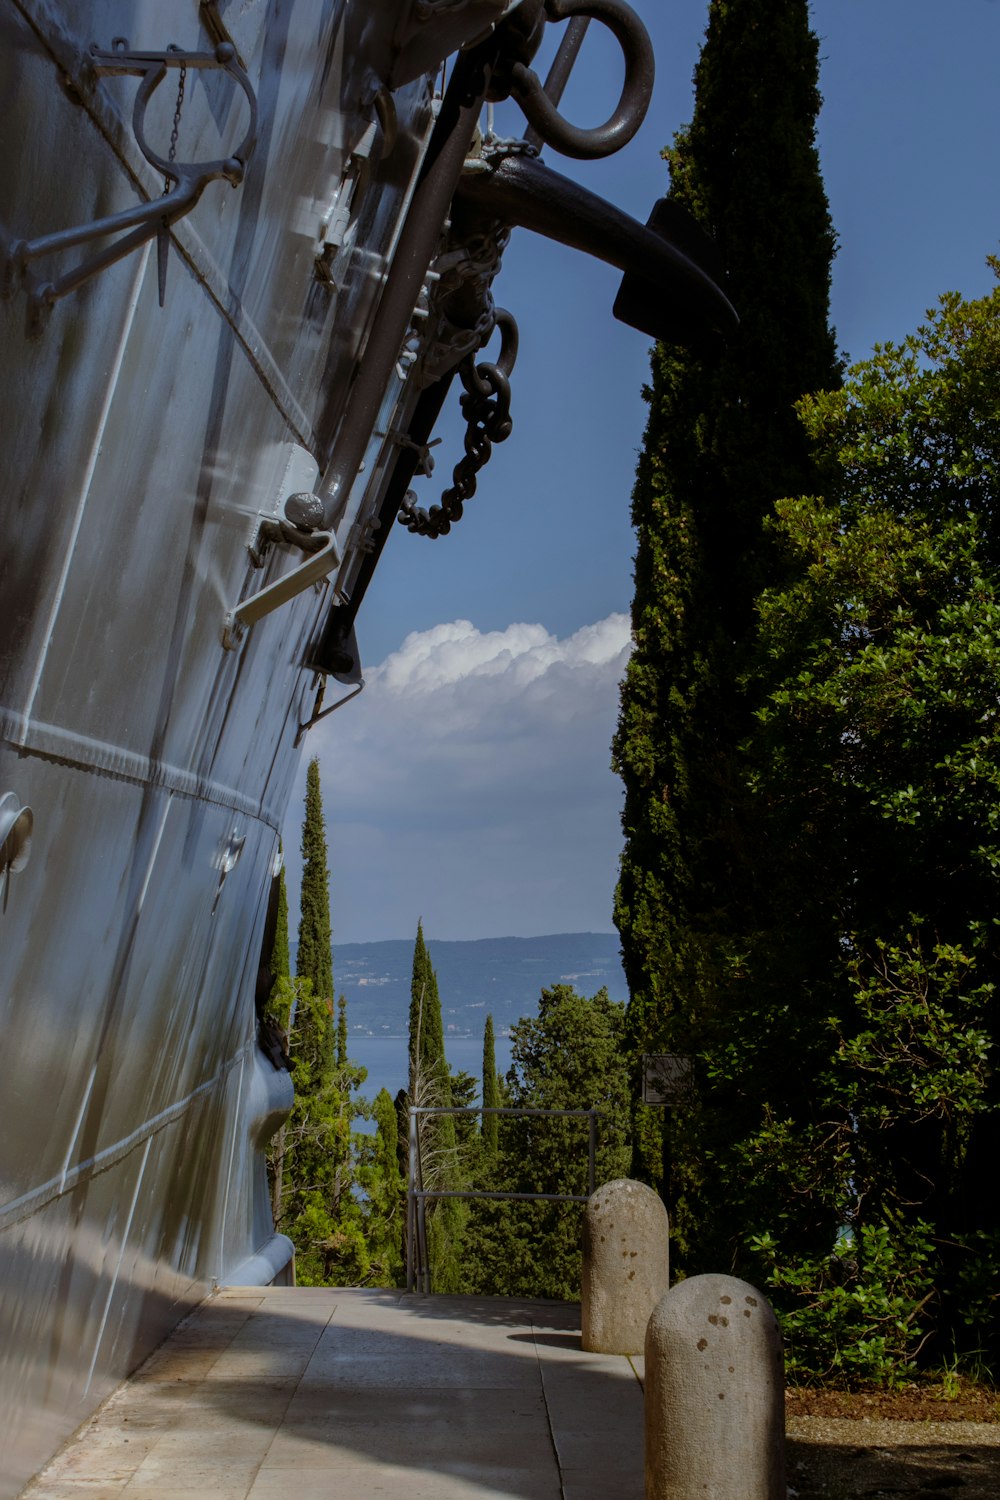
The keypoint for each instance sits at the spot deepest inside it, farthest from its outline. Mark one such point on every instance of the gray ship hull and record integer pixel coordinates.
(140, 448)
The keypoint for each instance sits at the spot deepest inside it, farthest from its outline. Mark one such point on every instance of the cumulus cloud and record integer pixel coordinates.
(470, 784)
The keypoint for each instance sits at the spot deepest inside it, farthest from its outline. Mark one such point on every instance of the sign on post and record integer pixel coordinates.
(666, 1078)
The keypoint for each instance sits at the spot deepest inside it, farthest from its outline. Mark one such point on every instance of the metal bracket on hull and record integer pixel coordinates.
(185, 181)
(266, 600)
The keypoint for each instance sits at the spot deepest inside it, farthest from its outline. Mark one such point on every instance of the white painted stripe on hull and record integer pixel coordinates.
(118, 1264)
(88, 479)
(19, 1209)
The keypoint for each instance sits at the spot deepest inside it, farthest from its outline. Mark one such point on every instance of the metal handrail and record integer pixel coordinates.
(416, 1197)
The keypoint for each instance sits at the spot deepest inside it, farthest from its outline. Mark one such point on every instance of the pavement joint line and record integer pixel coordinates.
(291, 1394)
(635, 1372)
(548, 1414)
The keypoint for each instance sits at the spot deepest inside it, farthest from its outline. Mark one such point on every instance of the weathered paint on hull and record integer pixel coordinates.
(303, 348)
(139, 446)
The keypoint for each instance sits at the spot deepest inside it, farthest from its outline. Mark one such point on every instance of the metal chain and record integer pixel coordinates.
(175, 130)
(486, 408)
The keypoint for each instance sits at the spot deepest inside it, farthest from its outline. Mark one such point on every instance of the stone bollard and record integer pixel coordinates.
(625, 1266)
(715, 1411)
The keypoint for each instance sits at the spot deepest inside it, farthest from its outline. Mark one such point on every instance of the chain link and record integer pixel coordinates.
(486, 408)
(178, 107)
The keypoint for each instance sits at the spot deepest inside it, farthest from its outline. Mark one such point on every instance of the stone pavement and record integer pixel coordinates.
(296, 1393)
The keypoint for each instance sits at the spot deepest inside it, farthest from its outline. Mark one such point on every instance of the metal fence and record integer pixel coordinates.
(418, 1271)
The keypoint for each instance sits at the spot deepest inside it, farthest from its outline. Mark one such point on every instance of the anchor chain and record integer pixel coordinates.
(486, 408)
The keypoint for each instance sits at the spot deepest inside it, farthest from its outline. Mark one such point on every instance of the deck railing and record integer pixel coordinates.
(418, 1271)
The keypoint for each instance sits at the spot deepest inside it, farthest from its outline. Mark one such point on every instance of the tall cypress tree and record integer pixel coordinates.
(279, 1007)
(342, 1032)
(428, 1069)
(724, 949)
(430, 1086)
(314, 1161)
(281, 963)
(491, 1095)
(385, 1193)
(314, 960)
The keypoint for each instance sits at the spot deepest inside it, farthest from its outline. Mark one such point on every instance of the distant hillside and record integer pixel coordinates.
(500, 975)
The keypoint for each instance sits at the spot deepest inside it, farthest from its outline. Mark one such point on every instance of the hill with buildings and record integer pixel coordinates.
(501, 975)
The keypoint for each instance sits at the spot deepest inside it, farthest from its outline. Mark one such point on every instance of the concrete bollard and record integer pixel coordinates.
(715, 1410)
(625, 1266)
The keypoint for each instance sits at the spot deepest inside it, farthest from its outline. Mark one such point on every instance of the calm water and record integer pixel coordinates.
(385, 1059)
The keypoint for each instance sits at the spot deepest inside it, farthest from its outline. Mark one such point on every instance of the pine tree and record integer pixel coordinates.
(314, 960)
(723, 948)
(491, 1097)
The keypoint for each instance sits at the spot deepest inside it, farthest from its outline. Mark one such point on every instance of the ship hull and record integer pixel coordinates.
(141, 446)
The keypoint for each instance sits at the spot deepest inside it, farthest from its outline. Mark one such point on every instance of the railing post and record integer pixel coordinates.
(425, 1260)
(592, 1153)
(420, 1214)
(411, 1217)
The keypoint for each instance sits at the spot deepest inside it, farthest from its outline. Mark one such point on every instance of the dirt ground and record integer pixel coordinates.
(924, 1442)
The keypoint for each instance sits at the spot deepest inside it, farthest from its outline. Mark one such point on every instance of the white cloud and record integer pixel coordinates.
(470, 784)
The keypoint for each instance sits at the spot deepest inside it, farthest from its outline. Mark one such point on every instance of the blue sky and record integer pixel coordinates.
(470, 782)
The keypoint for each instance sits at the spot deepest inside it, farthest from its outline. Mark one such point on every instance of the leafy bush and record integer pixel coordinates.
(853, 1316)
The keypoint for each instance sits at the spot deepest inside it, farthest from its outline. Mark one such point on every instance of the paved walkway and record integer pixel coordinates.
(275, 1393)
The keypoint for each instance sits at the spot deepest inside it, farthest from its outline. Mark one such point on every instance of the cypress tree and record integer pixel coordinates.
(430, 1085)
(342, 1033)
(428, 1068)
(314, 960)
(313, 1198)
(281, 962)
(491, 1095)
(724, 949)
(279, 1006)
(385, 1191)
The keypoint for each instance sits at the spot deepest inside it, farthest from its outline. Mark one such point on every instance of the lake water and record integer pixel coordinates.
(385, 1058)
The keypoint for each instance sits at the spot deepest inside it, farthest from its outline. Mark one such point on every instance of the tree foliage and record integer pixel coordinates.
(314, 959)
(335, 1193)
(837, 1145)
(568, 1057)
(718, 927)
(809, 749)
(440, 1153)
(318, 1208)
(491, 1095)
(879, 742)
(384, 1188)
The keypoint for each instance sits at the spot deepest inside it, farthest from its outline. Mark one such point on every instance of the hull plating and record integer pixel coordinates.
(139, 448)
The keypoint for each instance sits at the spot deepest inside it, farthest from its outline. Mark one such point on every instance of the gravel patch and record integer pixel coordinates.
(844, 1458)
